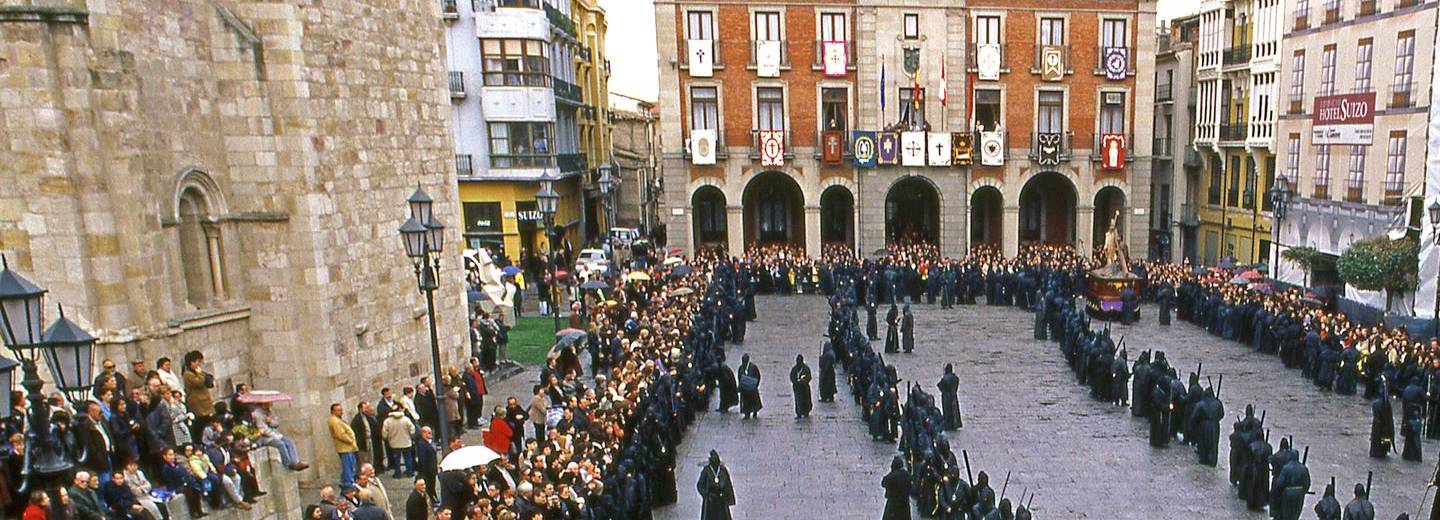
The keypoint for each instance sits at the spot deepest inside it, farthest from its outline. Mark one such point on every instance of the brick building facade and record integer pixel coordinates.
(891, 49)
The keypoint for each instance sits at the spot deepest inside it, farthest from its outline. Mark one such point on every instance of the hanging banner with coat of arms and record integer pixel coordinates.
(835, 58)
(912, 148)
(987, 60)
(1117, 63)
(702, 58)
(864, 149)
(992, 149)
(1112, 151)
(889, 148)
(832, 146)
(767, 58)
(772, 148)
(1047, 148)
(702, 146)
(1052, 63)
(961, 148)
(938, 146)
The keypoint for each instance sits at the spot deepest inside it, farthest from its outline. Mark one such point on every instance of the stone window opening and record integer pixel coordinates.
(201, 250)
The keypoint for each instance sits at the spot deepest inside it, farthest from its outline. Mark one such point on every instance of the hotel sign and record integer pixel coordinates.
(1343, 119)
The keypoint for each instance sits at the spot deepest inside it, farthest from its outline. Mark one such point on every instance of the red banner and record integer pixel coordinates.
(1112, 151)
(832, 145)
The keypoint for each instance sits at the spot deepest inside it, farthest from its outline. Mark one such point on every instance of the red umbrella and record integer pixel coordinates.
(263, 396)
(1252, 275)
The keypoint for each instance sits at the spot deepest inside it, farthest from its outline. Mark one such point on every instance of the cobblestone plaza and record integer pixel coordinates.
(1024, 413)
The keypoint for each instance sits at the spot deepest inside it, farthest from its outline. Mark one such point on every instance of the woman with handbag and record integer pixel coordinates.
(749, 375)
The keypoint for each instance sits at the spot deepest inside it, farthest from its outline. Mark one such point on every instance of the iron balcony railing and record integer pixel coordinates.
(1102, 50)
(820, 55)
(1232, 132)
(1237, 55)
(971, 64)
(755, 144)
(567, 91)
(464, 165)
(1040, 58)
(457, 84)
(1161, 147)
(1164, 92)
(755, 53)
(1066, 145)
(1097, 147)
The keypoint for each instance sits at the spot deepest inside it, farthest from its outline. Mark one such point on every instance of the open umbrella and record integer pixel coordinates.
(881, 252)
(468, 457)
(1239, 280)
(510, 270)
(263, 396)
(594, 284)
(681, 270)
(637, 276)
(1226, 263)
(1252, 275)
(683, 291)
(569, 331)
(674, 260)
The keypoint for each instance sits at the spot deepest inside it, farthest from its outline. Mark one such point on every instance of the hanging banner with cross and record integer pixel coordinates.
(835, 59)
(772, 148)
(912, 148)
(938, 146)
(889, 148)
(832, 146)
(702, 58)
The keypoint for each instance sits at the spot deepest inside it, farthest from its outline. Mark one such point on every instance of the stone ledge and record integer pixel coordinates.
(282, 501)
(43, 13)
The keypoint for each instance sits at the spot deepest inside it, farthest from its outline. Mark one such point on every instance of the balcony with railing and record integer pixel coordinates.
(755, 54)
(568, 92)
(1368, 7)
(1402, 95)
(755, 145)
(449, 10)
(1160, 147)
(1040, 58)
(464, 165)
(1302, 19)
(560, 22)
(820, 55)
(1097, 148)
(717, 60)
(721, 152)
(1067, 148)
(1260, 131)
(457, 84)
(820, 144)
(1232, 133)
(971, 64)
(1237, 56)
(1355, 192)
(1164, 92)
(571, 162)
(1100, 59)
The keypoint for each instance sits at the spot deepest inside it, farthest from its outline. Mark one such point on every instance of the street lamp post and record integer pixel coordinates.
(1434, 210)
(1279, 204)
(607, 192)
(69, 350)
(549, 202)
(424, 238)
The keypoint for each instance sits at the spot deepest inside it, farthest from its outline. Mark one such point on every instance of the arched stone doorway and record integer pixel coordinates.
(1108, 201)
(773, 210)
(985, 206)
(709, 224)
(837, 216)
(1047, 209)
(912, 211)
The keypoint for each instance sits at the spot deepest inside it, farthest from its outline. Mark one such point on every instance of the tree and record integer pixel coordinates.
(1305, 257)
(1381, 264)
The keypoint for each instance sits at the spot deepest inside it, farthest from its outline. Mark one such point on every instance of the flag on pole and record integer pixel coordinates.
(882, 91)
(915, 90)
(943, 95)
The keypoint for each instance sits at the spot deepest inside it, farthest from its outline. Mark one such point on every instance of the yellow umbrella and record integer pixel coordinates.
(638, 275)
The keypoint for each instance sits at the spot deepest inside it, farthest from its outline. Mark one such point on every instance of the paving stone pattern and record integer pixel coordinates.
(1024, 413)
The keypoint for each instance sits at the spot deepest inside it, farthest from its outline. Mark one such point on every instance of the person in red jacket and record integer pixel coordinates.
(497, 438)
(39, 501)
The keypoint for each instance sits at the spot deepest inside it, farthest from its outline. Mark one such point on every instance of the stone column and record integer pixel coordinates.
(812, 230)
(1010, 229)
(1084, 228)
(735, 229)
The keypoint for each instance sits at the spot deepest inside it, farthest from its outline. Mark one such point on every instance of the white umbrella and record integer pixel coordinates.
(468, 457)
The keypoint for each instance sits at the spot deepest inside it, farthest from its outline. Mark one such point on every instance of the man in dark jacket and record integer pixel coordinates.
(368, 434)
(94, 434)
(417, 507)
(427, 462)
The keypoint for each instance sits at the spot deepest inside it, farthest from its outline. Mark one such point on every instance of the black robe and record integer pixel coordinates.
(897, 495)
(827, 377)
(749, 399)
(907, 332)
(800, 384)
(950, 402)
(725, 382)
(1382, 427)
(716, 493)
